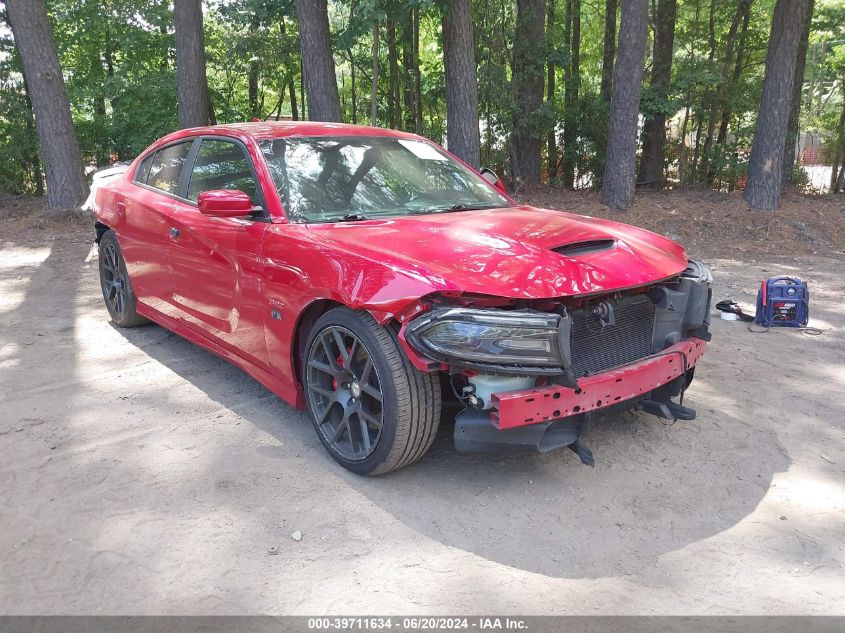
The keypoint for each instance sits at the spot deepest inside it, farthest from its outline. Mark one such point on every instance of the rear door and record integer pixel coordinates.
(215, 263)
(144, 237)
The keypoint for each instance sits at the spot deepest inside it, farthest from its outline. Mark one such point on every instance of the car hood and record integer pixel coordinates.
(508, 252)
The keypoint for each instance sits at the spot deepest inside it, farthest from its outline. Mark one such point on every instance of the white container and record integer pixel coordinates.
(486, 385)
(729, 316)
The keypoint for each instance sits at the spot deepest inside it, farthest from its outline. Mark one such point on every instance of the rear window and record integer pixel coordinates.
(166, 167)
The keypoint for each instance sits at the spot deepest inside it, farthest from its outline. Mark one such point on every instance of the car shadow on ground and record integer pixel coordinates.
(656, 487)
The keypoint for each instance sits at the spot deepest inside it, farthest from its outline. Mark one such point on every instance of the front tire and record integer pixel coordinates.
(118, 295)
(372, 409)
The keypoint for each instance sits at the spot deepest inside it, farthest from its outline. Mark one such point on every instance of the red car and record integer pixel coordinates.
(372, 277)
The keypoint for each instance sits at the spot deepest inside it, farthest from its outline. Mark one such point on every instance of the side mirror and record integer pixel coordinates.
(224, 203)
(493, 178)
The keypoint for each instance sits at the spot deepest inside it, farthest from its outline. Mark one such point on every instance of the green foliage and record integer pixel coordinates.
(18, 144)
(824, 87)
(119, 63)
(20, 167)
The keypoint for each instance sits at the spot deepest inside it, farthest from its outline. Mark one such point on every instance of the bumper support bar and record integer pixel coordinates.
(544, 404)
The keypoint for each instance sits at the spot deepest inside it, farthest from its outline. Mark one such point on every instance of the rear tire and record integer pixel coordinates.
(372, 409)
(118, 295)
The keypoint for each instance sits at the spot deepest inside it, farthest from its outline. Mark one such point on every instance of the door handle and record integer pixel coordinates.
(174, 233)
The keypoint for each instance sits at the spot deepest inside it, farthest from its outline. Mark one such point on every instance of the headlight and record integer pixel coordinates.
(522, 337)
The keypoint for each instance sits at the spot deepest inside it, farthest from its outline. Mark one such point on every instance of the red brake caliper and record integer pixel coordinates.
(339, 360)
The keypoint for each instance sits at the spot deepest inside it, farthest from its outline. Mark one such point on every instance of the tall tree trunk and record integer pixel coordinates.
(418, 114)
(654, 128)
(354, 88)
(395, 109)
(279, 103)
(408, 92)
(164, 62)
(719, 99)
(304, 102)
(570, 125)
(551, 138)
(797, 86)
(682, 157)
(461, 85)
(765, 166)
(711, 34)
(253, 75)
(607, 62)
(319, 73)
(294, 111)
(567, 66)
(108, 53)
(289, 82)
(99, 68)
(620, 167)
(374, 87)
(839, 156)
(254, 109)
(727, 107)
(66, 187)
(840, 179)
(528, 73)
(102, 148)
(195, 107)
(708, 97)
(609, 54)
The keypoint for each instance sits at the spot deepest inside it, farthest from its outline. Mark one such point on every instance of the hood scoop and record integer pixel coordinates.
(582, 248)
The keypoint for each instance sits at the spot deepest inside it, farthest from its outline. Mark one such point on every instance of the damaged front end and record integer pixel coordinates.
(532, 374)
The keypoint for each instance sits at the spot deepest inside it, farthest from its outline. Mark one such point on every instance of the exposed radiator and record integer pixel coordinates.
(596, 348)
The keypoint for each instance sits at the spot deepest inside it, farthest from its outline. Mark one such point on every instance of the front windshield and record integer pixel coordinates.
(326, 179)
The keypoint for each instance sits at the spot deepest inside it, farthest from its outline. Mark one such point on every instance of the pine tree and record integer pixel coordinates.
(195, 107)
(765, 166)
(318, 68)
(66, 187)
(620, 167)
(461, 85)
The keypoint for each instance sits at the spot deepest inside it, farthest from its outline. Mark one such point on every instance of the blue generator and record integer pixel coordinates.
(783, 302)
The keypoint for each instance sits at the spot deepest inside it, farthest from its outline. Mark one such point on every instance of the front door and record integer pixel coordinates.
(215, 263)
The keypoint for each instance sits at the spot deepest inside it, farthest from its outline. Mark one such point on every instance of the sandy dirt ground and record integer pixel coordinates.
(140, 474)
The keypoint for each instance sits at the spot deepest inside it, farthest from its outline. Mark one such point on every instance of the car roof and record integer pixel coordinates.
(278, 129)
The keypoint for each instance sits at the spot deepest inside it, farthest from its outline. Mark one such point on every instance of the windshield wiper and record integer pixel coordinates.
(461, 207)
(349, 217)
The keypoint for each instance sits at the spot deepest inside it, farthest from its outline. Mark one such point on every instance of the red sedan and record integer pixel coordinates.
(372, 277)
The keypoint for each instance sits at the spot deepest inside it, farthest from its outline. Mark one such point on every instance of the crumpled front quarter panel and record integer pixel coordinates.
(299, 270)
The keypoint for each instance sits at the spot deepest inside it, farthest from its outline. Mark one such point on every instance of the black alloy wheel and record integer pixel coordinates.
(372, 409)
(118, 295)
(345, 392)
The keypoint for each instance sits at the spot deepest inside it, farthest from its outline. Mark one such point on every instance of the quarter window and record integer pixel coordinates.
(144, 168)
(166, 168)
(221, 165)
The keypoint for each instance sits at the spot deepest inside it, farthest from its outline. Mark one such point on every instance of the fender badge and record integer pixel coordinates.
(276, 307)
